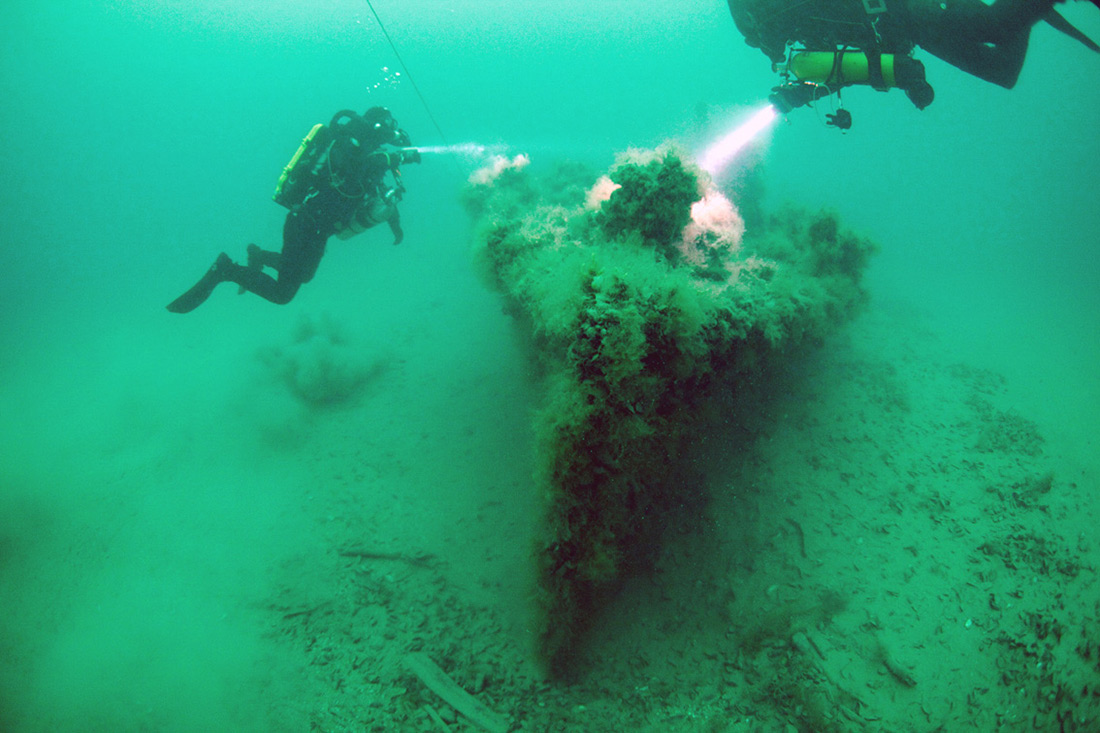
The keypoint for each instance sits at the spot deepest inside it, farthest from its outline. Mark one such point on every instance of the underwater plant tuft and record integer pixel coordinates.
(652, 199)
(319, 367)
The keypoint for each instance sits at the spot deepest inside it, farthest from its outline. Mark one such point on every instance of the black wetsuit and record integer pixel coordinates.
(305, 234)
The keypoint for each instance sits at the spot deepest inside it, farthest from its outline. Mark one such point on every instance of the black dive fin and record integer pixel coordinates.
(201, 290)
(1055, 19)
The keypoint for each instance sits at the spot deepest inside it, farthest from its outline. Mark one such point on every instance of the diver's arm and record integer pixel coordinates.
(381, 161)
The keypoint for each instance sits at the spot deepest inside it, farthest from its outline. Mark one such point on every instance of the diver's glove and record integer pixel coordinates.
(841, 119)
(909, 77)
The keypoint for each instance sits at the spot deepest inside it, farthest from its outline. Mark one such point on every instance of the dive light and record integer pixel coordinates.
(786, 97)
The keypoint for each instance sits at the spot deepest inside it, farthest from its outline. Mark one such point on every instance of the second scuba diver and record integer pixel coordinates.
(844, 42)
(334, 185)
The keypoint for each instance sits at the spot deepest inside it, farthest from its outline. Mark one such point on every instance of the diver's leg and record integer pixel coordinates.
(1009, 17)
(976, 19)
(998, 63)
(250, 279)
(226, 270)
(260, 258)
(988, 41)
(303, 246)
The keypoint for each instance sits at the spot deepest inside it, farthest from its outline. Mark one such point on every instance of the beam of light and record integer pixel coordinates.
(721, 153)
(466, 150)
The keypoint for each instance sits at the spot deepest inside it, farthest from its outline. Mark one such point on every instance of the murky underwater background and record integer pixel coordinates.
(162, 490)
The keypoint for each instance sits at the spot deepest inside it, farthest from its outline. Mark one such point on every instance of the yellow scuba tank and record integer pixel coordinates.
(294, 183)
(840, 68)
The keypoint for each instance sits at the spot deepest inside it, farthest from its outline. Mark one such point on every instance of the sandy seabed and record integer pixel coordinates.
(886, 544)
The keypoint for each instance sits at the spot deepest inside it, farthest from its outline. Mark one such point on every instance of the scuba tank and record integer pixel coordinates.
(300, 173)
(841, 68)
(373, 211)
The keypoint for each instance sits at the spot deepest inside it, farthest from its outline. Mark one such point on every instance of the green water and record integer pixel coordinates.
(165, 501)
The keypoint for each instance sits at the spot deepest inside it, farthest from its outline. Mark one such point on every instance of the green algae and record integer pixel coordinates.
(643, 296)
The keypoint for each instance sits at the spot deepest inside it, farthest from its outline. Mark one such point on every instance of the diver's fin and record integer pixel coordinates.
(1057, 21)
(200, 291)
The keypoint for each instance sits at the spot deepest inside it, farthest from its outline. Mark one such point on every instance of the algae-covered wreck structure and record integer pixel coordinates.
(643, 296)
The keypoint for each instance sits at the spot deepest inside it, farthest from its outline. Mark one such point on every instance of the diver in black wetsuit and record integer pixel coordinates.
(988, 41)
(334, 185)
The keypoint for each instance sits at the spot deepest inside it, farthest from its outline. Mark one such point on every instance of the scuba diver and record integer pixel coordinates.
(844, 42)
(334, 185)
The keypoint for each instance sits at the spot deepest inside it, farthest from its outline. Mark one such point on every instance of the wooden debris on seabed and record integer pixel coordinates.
(436, 680)
(421, 561)
(436, 718)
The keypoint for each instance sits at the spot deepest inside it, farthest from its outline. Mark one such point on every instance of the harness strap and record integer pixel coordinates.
(874, 70)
